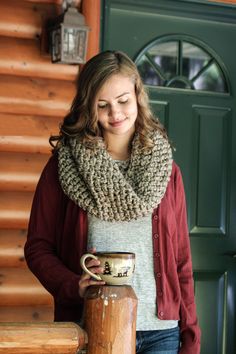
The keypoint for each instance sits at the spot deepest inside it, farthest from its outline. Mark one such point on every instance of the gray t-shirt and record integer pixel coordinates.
(132, 236)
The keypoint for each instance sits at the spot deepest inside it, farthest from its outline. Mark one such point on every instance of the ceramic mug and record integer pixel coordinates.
(118, 267)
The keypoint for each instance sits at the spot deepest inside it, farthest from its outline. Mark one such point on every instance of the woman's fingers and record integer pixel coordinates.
(83, 287)
(95, 270)
(92, 250)
(93, 265)
(90, 262)
(85, 282)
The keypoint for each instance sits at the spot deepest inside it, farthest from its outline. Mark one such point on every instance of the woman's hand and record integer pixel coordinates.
(86, 280)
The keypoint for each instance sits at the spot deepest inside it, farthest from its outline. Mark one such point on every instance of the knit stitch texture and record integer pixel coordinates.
(94, 181)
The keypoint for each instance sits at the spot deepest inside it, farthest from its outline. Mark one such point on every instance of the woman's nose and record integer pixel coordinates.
(115, 112)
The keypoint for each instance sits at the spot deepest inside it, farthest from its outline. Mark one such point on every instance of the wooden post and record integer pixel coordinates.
(110, 319)
(41, 338)
(91, 9)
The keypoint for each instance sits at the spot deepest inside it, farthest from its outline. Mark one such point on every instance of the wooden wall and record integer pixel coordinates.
(233, 2)
(34, 97)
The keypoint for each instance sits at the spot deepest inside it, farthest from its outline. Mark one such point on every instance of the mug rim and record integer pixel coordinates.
(114, 254)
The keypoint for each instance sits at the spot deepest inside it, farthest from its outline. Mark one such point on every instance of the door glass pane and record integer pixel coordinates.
(178, 83)
(165, 55)
(211, 80)
(148, 74)
(185, 66)
(194, 59)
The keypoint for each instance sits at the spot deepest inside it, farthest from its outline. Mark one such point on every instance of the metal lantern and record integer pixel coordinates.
(68, 37)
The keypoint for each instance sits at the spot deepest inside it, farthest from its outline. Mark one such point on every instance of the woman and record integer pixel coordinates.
(112, 185)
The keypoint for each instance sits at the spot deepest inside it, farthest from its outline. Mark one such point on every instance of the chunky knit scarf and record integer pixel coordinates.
(94, 181)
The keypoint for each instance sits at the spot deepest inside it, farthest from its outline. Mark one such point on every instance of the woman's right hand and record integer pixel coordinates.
(86, 280)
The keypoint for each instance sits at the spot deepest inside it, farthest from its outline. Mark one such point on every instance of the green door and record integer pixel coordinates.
(186, 53)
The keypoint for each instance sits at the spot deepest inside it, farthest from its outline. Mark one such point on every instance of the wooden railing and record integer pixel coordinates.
(109, 321)
(41, 338)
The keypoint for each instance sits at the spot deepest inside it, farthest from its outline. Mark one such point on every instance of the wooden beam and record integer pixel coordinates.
(19, 287)
(15, 209)
(58, 2)
(29, 144)
(20, 171)
(22, 57)
(33, 96)
(34, 313)
(12, 248)
(41, 338)
(91, 11)
(29, 125)
(24, 19)
(233, 2)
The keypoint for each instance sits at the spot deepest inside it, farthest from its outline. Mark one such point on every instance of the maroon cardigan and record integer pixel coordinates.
(57, 238)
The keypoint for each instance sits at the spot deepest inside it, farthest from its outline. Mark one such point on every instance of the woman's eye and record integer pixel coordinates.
(102, 106)
(123, 101)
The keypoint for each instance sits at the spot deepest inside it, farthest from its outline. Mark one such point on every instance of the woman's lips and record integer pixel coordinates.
(117, 123)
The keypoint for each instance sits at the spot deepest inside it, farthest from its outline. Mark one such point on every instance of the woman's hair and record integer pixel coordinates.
(82, 121)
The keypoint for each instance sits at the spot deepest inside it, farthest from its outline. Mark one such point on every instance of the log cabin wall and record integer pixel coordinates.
(225, 1)
(34, 97)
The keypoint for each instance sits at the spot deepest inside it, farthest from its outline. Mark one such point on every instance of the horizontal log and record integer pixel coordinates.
(233, 2)
(26, 125)
(19, 287)
(29, 144)
(20, 171)
(24, 58)
(19, 181)
(15, 209)
(25, 19)
(35, 96)
(26, 313)
(12, 248)
(59, 2)
(40, 338)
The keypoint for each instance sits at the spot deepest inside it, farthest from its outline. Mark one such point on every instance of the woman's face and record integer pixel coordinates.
(116, 105)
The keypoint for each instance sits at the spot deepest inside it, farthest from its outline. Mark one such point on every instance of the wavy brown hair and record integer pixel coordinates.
(82, 121)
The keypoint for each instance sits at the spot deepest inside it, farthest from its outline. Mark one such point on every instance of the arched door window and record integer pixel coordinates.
(182, 62)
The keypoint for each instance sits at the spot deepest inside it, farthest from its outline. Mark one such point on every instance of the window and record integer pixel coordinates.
(181, 62)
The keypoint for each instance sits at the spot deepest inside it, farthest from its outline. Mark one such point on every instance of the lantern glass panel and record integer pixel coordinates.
(74, 44)
(56, 47)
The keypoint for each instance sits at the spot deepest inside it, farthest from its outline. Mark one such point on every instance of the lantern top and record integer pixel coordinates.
(66, 3)
(73, 17)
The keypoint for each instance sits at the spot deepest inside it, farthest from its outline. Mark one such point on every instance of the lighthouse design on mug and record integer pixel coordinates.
(118, 267)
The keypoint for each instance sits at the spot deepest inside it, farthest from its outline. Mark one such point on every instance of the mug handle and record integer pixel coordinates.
(83, 266)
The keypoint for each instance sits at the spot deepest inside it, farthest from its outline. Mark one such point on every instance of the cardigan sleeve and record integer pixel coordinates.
(41, 245)
(190, 331)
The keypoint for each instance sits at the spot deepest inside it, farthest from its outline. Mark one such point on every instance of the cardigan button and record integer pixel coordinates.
(161, 313)
(155, 235)
(155, 217)
(156, 254)
(158, 275)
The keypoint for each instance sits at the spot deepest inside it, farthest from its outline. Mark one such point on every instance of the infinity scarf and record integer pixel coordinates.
(94, 181)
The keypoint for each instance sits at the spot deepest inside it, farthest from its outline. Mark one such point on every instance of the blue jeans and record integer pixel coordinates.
(165, 341)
